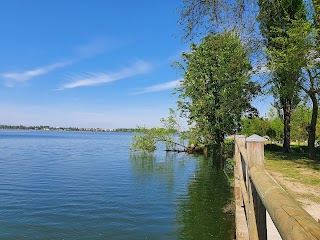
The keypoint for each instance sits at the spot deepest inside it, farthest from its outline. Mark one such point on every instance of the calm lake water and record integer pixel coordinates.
(82, 185)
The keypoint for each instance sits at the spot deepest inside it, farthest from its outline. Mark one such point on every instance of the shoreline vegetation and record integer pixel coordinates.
(210, 99)
(48, 128)
(282, 54)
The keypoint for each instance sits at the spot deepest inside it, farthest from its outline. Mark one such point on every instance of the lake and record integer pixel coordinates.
(87, 185)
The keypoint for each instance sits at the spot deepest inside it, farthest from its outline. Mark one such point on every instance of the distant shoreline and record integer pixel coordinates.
(48, 128)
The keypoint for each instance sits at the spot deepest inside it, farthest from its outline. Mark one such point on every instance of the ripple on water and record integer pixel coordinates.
(72, 185)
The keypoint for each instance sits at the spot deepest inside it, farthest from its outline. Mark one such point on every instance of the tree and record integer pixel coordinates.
(170, 134)
(272, 127)
(277, 18)
(316, 7)
(199, 18)
(310, 84)
(216, 91)
(318, 129)
(286, 49)
(275, 132)
(300, 121)
(255, 125)
(272, 113)
(276, 125)
(300, 55)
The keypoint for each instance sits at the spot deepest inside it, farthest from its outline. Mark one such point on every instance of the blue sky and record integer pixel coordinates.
(88, 63)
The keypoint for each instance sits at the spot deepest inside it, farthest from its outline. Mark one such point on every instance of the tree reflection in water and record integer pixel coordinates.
(200, 214)
(198, 205)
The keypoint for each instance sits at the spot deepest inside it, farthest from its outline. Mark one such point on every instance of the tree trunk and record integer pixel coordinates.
(312, 127)
(219, 147)
(286, 119)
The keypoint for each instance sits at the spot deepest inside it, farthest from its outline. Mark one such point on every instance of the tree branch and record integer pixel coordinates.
(175, 143)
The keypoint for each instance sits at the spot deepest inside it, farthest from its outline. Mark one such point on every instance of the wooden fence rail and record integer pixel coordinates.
(256, 192)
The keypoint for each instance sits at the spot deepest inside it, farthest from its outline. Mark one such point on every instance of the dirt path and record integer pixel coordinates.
(307, 195)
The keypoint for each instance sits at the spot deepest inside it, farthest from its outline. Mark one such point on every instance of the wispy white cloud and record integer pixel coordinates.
(29, 74)
(92, 79)
(161, 87)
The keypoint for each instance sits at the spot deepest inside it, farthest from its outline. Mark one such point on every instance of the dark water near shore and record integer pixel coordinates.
(82, 185)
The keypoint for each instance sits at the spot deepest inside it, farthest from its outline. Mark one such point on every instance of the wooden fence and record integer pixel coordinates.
(256, 192)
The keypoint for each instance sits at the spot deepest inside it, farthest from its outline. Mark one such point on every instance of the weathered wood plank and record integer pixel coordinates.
(240, 217)
(253, 229)
(260, 192)
(255, 154)
(291, 220)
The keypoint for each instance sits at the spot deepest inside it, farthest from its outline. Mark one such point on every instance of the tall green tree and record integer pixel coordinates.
(199, 18)
(300, 122)
(276, 126)
(299, 54)
(256, 125)
(272, 113)
(310, 84)
(277, 18)
(311, 79)
(216, 89)
(316, 6)
(275, 132)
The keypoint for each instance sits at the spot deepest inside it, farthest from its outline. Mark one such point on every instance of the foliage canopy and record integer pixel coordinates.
(216, 91)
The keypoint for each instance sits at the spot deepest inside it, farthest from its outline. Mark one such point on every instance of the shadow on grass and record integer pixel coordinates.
(298, 155)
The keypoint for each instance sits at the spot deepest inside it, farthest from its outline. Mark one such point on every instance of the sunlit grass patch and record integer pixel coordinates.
(295, 166)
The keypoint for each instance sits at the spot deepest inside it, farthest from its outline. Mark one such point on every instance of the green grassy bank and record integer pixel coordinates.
(294, 167)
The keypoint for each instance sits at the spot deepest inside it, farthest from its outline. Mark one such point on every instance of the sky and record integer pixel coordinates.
(81, 63)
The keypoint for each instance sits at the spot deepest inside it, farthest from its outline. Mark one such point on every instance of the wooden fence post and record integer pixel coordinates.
(255, 153)
(239, 140)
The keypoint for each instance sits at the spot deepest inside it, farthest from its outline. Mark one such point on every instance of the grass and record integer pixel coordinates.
(295, 166)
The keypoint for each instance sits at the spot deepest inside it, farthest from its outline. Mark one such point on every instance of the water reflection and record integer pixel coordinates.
(74, 185)
(198, 203)
(200, 214)
(145, 162)
(163, 166)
